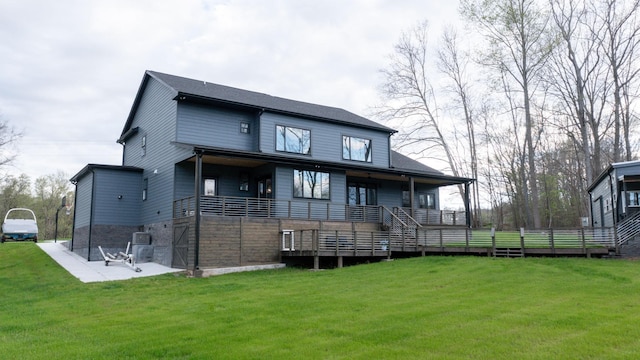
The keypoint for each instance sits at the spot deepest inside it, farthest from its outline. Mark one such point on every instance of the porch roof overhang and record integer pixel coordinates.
(220, 156)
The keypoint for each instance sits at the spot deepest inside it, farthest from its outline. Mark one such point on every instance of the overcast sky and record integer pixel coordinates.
(69, 70)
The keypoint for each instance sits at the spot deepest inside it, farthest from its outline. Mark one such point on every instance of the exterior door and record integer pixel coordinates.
(598, 218)
(180, 246)
(265, 188)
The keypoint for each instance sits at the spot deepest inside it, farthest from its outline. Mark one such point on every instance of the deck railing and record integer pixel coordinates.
(295, 209)
(437, 217)
(374, 242)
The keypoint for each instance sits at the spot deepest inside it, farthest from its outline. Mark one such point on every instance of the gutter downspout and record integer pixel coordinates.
(73, 226)
(591, 207)
(389, 147)
(614, 214)
(614, 206)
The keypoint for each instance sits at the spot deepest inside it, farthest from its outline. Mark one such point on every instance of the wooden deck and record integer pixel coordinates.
(340, 245)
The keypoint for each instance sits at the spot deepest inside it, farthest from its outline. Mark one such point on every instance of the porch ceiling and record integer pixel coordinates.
(399, 177)
(251, 160)
(229, 161)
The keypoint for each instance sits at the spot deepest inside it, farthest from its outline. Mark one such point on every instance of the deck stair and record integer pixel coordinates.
(628, 229)
(405, 230)
(508, 252)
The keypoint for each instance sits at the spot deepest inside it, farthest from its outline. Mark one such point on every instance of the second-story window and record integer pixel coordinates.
(244, 127)
(143, 145)
(293, 140)
(354, 148)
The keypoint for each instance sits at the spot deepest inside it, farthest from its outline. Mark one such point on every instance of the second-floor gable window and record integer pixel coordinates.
(354, 148)
(293, 140)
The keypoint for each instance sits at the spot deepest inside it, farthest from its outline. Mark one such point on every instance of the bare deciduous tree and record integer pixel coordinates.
(519, 46)
(409, 99)
(453, 65)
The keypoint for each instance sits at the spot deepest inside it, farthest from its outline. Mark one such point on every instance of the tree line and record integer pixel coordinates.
(533, 99)
(44, 197)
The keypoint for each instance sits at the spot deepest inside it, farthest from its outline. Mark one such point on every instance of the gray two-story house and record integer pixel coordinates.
(219, 176)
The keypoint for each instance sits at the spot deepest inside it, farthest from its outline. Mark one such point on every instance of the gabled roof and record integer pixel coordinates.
(609, 169)
(91, 167)
(402, 162)
(198, 90)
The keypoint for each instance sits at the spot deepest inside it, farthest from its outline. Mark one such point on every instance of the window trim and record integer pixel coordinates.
(277, 134)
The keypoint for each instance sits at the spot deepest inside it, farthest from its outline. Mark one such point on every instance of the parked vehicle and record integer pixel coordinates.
(20, 224)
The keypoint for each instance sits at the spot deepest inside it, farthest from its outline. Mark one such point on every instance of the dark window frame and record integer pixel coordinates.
(311, 191)
(348, 152)
(291, 146)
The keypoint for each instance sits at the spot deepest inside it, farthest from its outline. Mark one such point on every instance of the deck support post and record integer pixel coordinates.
(340, 262)
(493, 240)
(522, 240)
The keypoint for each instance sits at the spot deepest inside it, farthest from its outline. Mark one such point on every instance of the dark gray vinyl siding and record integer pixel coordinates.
(110, 209)
(184, 177)
(602, 192)
(326, 139)
(207, 126)
(83, 201)
(389, 193)
(156, 119)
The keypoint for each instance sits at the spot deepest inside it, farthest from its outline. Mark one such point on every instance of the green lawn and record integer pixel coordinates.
(421, 308)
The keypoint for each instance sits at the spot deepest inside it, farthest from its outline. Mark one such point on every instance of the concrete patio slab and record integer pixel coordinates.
(95, 271)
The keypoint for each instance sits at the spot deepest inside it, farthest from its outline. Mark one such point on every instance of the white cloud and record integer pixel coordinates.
(70, 69)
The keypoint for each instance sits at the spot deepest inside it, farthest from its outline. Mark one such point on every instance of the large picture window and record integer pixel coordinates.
(354, 148)
(427, 201)
(293, 140)
(311, 184)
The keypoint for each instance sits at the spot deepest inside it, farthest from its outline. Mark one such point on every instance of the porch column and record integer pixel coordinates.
(467, 206)
(412, 195)
(198, 191)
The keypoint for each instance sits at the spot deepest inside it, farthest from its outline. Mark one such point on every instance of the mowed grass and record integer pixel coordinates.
(421, 308)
